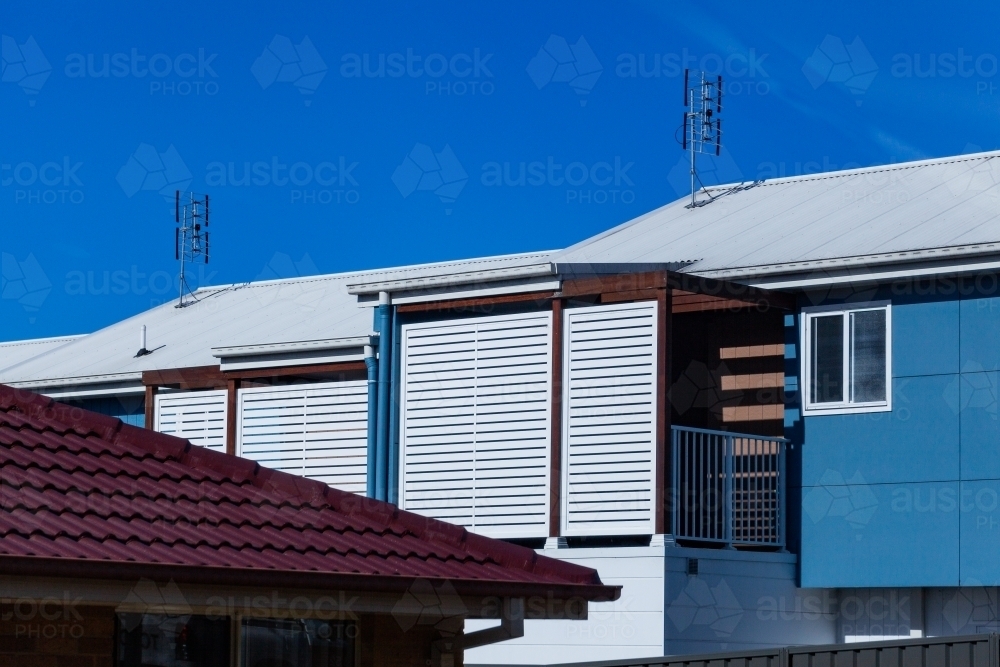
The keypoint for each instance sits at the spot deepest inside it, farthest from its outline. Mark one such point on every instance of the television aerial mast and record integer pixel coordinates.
(190, 236)
(702, 125)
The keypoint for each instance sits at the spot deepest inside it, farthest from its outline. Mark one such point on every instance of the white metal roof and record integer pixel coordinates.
(16, 351)
(904, 212)
(286, 311)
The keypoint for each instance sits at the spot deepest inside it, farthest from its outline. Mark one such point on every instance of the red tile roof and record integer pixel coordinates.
(85, 495)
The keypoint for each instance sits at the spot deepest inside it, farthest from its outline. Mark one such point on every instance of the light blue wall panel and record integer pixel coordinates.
(977, 401)
(880, 535)
(980, 334)
(917, 441)
(925, 338)
(978, 505)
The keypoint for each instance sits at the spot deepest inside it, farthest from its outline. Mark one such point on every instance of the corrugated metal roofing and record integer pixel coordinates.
(908, 207)
(15, 351)
(278, 311)
(81, 487)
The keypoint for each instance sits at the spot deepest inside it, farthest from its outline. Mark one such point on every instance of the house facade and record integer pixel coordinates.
(123, 546)
(770, 417)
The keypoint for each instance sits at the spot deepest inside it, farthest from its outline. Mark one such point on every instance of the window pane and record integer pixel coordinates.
(827, 359)
(310, 643)
(145, 640)
(868, 356)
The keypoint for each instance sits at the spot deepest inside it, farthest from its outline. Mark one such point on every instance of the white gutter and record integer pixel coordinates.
(74, 381)
(293, 346)
(486, 275)
(863, 261)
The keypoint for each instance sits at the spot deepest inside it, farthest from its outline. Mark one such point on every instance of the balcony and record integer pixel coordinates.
(728, 489)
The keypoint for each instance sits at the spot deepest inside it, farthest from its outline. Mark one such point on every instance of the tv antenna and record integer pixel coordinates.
(190, 235)
(702, 125)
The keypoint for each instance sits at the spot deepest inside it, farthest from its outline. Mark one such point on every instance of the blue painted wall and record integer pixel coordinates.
(130, 409)
(910, 497)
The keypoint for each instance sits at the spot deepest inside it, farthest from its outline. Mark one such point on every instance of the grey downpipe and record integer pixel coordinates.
(394, 409)
(372, 365)
(384, 372)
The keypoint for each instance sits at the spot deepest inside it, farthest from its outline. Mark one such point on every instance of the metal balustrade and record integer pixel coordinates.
(728, 488)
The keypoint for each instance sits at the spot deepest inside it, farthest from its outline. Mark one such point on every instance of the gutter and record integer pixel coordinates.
(79, 380)
(485, 275)
(292, 346)
(85, 568)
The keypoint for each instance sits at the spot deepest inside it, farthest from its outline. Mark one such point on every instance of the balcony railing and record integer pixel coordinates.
(728, 488)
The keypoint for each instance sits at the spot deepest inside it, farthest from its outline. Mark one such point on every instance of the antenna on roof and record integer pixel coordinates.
(191, 234)
(702, 125)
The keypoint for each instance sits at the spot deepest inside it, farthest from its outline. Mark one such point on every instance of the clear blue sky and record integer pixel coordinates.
(380, 134)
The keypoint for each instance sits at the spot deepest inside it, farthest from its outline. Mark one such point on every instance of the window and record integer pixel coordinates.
(171, 641)
(846, 363)
(308, 642)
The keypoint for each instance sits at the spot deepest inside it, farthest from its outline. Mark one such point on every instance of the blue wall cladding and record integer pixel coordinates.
(130, 409)
(910, 497)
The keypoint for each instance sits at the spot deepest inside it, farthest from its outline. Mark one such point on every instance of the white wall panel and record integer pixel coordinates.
(318, 431)
(198, 416)
(609, 419)
(476, 425)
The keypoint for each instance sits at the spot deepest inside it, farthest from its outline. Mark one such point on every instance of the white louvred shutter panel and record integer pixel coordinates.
(609, 419)
(318, 431)
(476, 425)
(198, 416)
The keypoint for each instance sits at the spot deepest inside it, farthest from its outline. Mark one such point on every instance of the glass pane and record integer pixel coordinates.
(309, 643)
(827, 359)
(868, 356)
(147, 640)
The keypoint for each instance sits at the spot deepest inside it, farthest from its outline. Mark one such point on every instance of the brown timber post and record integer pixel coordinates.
(663, 467)
(555, 470)
(232, 405)
(149, 405)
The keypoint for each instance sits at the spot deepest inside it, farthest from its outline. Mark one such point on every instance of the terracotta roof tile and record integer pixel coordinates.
(82, 488)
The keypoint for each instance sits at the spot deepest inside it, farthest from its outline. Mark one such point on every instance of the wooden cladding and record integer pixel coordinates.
(212, 377)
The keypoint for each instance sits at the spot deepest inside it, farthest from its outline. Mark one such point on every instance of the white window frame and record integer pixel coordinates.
(846, 406)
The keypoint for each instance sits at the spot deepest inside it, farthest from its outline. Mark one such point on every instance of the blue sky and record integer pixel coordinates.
(393, 134)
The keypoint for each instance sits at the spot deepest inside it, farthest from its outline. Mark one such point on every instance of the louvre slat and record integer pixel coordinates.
(609, 419)
(487, 381)
(319, 431)
(198, 416)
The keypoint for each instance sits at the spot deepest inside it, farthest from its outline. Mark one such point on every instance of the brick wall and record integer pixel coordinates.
(55, 633)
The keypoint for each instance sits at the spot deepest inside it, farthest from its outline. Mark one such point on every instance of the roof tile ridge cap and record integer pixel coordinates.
(50, 412)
